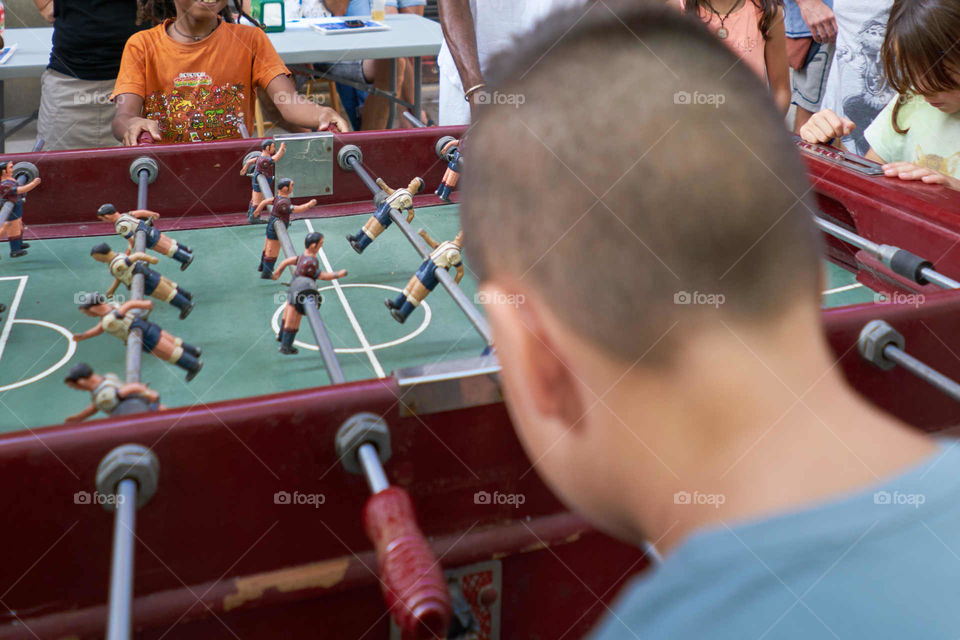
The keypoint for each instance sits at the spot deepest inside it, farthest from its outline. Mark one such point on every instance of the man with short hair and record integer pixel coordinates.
(655, 301)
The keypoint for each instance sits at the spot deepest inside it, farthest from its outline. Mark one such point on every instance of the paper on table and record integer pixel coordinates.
(334, 25)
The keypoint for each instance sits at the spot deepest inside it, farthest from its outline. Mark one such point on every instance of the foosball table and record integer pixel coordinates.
(273, 494)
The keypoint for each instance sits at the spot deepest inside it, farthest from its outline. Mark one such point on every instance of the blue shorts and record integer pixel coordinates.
(17, 212)
(151, 333)
(403, 4)
(256, 183)
(427, 274)
(382, 214)
(150, 277)
(271, 232)
(153, 234)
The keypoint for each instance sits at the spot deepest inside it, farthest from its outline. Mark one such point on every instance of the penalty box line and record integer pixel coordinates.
(12, 311)
(364, 343)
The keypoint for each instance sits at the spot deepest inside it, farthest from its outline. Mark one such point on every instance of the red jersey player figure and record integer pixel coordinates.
(118, 320)
(12, 191)
(399, 199)
(302, 290)
(109, 394)
(452, 175)
(123, 267)
(127, 224)
(265, 166)
(283, 208)
(444, 256)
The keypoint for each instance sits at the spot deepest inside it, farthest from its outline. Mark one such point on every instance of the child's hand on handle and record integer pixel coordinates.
(910, 171)
(331, 120)
(825, 126)
(138, 126)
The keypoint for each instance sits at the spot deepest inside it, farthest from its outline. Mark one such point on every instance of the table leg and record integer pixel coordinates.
(417, 81)
(394, 96)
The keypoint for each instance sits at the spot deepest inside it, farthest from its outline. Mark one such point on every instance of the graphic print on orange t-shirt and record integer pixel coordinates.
(196, 110)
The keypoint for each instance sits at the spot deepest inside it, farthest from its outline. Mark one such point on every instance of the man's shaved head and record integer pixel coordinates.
(644, 161)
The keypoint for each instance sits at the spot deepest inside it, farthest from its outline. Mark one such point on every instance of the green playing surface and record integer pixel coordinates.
(234, 321)
(236, 316)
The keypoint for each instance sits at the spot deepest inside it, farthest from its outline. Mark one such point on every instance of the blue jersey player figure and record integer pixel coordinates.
(127, 224)
(398, 199)
(283, 208)
(13, 192)
(302, 289)
(109, 395)
(445, 255)
(119, 319)
(452, 175)
(263, 165)
(123, 267)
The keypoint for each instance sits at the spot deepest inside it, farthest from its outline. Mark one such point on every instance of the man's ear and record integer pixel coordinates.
(539, 377)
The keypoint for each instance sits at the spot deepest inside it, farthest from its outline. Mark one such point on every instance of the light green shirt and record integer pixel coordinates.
(933, 139)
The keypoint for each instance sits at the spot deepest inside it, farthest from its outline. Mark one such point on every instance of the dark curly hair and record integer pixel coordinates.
(156, 11)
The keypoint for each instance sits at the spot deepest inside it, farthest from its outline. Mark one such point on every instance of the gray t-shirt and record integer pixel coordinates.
(882, 563)
(856, 87)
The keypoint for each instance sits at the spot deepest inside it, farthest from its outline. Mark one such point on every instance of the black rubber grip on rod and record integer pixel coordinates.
(909, 265)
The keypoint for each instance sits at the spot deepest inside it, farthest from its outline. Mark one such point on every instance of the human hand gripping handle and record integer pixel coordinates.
(411, 577)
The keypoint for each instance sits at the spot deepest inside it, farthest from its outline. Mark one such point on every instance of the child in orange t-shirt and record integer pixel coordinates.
(193, 78)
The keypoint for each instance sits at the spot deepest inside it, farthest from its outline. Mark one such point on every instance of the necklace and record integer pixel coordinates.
(722, 32)
(195, 38)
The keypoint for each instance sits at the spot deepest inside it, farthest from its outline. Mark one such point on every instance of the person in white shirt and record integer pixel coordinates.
(473, 31)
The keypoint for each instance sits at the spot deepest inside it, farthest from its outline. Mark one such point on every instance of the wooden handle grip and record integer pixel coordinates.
(413, 583)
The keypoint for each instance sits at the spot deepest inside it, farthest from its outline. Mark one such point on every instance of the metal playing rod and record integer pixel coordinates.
(412, 119)
(459, 297)
(313, 314)
(135, 336)
(126, 479)
(373, 471)
(883, 346)
(242, 128)
(38, 145)
(901, 261)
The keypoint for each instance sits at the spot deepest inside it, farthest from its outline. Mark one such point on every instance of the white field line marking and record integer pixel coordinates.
(848, 287)
(71, 349)
(364, 343)
(12, 311)
(427, 315)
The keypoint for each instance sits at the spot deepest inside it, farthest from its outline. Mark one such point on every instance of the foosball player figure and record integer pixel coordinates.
(109, 394)
(283, 208)
(12, 191)
(444, 256)
(452, 175)
(265, 165)
(123, 267)
(118, 320)
(302, 289)
(399, 199)
(127, 225)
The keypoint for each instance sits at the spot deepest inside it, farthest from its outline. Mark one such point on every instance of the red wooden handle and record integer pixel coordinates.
(413, 583)
(145, 137)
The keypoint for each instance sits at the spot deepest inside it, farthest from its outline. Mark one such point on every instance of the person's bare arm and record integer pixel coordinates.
(89, 333)
(820, 18)
(45, 7)
(332, 275)
(459, 275)
(128, 122)
(246, 166)
(144, 214)
(461, 35)
(426, 238)
(283, 265)
(125, 308)
(337, 7)
(113, 288)
(30, 186)
(279, 154)
(263, 205)
(778, 72)
(140, 389)
(297, 109)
